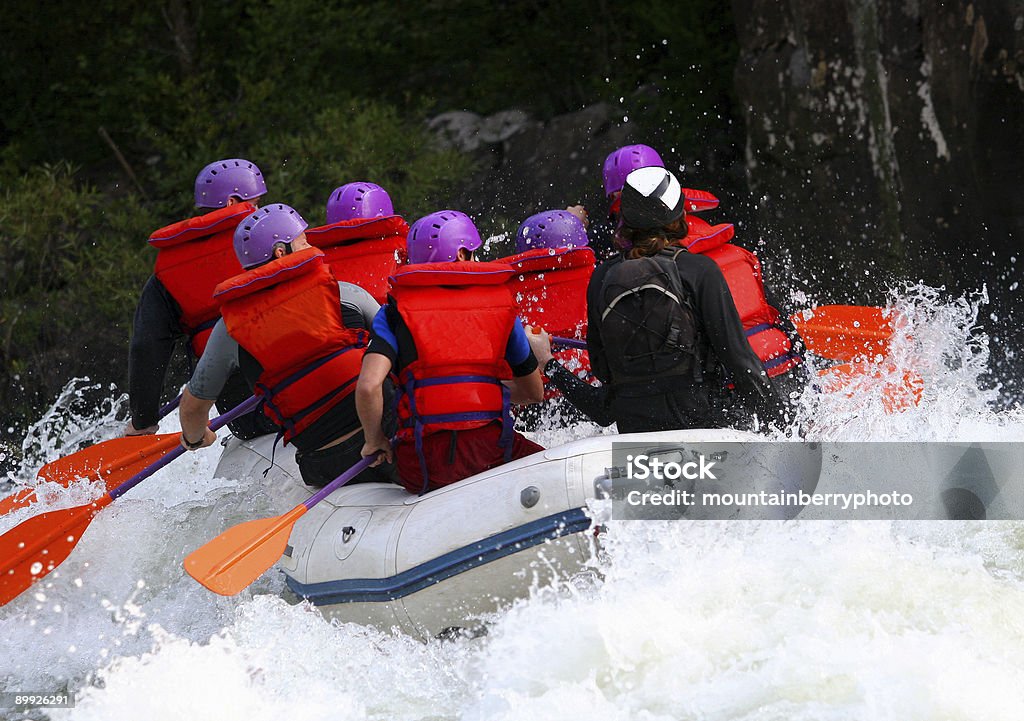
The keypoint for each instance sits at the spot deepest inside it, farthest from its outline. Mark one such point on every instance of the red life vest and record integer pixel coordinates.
(193, 256)
(460, 316)
(550, 288)
(363, 251)
(287, 314)
(742, 271)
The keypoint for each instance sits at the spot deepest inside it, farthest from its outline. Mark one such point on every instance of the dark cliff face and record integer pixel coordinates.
(887, 129)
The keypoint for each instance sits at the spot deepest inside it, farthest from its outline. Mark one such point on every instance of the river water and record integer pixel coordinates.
(711, 620)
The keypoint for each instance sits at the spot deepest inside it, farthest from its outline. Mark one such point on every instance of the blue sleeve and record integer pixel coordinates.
(518, 353)
(382, 333)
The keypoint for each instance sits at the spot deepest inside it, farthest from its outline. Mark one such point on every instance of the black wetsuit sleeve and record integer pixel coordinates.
(155, 330)
(592, 401)
(595, 344)
(724, 331)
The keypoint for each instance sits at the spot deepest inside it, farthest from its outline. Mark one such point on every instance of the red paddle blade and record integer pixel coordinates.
(243, 553)
(33, 548)
(845, 332)
(115, 461)
(17, 500)
(900, 392)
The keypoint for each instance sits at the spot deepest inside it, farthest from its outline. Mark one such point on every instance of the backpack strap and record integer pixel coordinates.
(685, 298)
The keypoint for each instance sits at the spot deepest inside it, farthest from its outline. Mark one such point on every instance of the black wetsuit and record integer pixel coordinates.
(678, 401)
(156, 330)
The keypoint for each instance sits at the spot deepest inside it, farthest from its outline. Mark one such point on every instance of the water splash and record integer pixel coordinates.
(796, 621)
(81, 415)
(936, 344)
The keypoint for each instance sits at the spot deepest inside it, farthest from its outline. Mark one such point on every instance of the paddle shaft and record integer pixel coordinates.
(339, 481)
(568, 342)
(170, 406)
(861, 328)
(240, 410)
(243, 553)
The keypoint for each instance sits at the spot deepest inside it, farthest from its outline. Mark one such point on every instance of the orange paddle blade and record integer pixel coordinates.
(115, 461)
(900, 392)
(35, 547)
(845, 332)
(243, 553)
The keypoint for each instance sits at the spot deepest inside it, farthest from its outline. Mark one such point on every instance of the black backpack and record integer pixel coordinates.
(648, 324)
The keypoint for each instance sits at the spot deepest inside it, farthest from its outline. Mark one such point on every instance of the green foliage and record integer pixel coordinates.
(365, 140)
(71, 266)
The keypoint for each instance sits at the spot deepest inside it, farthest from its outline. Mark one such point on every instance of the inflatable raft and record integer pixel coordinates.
(374, 554)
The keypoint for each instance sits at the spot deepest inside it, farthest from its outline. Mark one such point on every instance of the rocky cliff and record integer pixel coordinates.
(891, 128)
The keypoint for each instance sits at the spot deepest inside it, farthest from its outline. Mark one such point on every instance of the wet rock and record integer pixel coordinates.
(525, 166)
(885, 128)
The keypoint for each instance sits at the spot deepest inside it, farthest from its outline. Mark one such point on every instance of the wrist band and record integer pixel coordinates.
(189, 444)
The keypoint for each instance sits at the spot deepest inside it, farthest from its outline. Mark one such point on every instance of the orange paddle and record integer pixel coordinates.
(234, 559)
(897, 395)
(112, 461)
(845, 332)
(35, 547)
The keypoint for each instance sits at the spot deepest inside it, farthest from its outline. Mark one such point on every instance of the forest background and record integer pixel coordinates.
(109, 110)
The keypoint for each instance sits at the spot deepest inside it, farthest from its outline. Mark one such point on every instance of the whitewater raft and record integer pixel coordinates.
(372, 553)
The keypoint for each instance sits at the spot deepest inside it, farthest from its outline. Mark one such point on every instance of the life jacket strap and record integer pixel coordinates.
(418, 422)
(792, 357)
(268, 393)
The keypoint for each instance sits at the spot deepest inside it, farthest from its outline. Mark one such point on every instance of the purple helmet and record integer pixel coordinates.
(625, 160)
(220, 180)
(551, 229)
(256, 236)
(358, 200)
(436, 238)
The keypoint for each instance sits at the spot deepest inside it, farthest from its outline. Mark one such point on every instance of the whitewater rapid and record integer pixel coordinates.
(677, 620)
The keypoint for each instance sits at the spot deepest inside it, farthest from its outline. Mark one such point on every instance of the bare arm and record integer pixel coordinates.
(194, 414)
(370, 404)
(527, 389)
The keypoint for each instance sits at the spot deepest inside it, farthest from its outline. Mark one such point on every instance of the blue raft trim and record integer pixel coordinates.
(492, 548)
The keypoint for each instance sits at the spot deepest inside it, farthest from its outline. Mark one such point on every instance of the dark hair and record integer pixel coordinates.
(645, 242)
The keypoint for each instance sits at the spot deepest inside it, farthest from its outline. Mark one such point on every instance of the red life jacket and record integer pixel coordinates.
(363, 251)
(287, 314)
(193, 256)
(742, 271)
(460, 316)
(550, 288)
